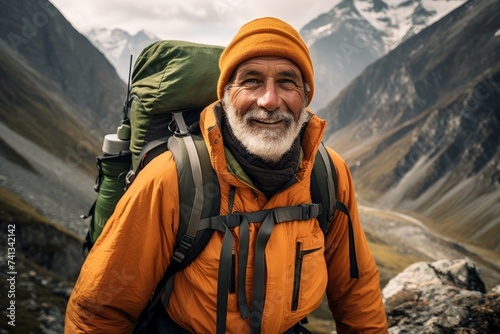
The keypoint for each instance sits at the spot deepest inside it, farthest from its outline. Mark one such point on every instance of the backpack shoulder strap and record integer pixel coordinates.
(198, 193)
(198, 190)
(321, 191)
(199, 198)
(325, 193)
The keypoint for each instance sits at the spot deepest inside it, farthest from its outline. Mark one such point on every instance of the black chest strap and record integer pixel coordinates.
(224, 224)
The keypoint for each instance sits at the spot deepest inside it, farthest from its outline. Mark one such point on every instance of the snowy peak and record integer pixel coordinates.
(422, 123)
(397, 20)
(355, 33)
(118, 45)
(402, 19)
(111, 42)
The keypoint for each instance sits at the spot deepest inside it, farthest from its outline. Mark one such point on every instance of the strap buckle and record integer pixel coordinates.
(311, 210)
(184, 246)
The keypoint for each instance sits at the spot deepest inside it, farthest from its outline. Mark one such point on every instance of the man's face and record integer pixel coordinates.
(265, 105)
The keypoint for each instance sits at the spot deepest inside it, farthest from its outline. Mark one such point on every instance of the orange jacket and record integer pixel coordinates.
(123, 268)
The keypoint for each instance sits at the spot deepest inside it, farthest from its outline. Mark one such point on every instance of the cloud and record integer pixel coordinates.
(214, 21)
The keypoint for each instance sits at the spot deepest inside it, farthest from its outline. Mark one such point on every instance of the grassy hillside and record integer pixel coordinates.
(31, 108)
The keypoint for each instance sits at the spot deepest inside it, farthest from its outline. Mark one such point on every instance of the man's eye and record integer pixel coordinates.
(287, 83)
(251, 82)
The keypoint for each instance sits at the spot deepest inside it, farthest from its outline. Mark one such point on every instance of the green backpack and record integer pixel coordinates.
(170, 79)
(172, 82)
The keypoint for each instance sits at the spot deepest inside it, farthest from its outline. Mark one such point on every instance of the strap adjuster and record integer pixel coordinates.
(183, 248)
(310, 211)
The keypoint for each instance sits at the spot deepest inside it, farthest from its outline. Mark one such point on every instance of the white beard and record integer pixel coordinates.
(269, 145)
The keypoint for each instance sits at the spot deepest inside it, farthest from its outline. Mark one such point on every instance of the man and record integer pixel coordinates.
(262, 141)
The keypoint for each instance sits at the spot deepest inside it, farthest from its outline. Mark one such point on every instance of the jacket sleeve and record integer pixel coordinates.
(121, 271)
(356, 303)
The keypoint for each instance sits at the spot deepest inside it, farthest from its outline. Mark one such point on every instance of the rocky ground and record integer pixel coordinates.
(445, 296)
(55, 187)
(40, 300)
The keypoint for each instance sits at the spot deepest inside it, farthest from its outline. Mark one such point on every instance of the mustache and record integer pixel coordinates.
(261, 114)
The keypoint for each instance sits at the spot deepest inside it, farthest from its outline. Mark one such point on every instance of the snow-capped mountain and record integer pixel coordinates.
(118, 45)
(355, 33)
(419, 127)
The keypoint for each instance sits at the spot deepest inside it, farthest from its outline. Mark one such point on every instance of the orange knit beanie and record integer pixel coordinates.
(266, 36)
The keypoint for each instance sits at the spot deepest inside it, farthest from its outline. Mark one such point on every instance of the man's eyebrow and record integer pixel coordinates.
(284, 73)
(289, 74)
(250, 72)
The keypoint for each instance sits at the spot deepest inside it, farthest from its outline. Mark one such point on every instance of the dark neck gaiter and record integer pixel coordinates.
(267, 176)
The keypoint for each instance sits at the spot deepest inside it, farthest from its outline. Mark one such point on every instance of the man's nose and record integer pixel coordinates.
(269, 98)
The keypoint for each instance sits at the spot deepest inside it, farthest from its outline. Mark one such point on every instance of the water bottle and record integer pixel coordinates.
(112, 168)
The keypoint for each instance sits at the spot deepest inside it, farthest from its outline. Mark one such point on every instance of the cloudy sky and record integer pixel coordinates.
(202, 21)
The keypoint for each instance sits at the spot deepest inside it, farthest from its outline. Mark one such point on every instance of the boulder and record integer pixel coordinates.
(445, 296)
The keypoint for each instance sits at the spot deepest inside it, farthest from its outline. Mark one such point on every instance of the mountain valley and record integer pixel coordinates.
(416, 117)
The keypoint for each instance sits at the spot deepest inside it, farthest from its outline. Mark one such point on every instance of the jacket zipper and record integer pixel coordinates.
(299, 257)
(232, 285)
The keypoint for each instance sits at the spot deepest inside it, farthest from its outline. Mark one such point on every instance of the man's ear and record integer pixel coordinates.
(226, 91)
(307, 91)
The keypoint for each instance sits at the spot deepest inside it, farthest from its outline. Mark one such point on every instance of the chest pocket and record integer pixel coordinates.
(305, 269)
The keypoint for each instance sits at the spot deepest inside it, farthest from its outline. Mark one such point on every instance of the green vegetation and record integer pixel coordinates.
(390, 261)
(14, 210)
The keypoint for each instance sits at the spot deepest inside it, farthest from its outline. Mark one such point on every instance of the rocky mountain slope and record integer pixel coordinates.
(355, 33)
(118, 45)
(31, 106)
(420, 126)
(55, 187)
(77, 75)
(46, 262)
(59, 95)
